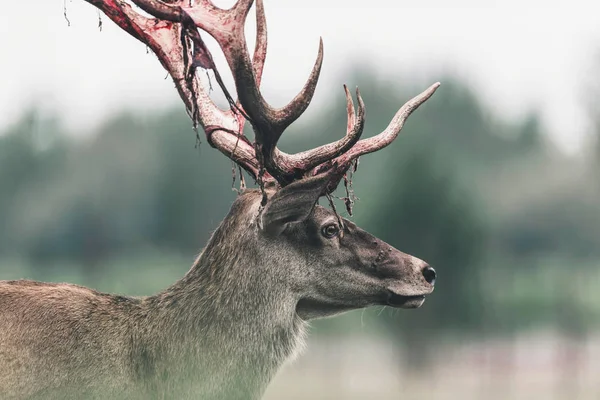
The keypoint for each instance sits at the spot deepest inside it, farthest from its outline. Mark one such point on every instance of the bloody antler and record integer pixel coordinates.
(172, 33)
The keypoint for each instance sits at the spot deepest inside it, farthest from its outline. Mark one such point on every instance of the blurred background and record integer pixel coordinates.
(493, 181)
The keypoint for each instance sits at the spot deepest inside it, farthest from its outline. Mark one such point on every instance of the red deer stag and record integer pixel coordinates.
(276, 261)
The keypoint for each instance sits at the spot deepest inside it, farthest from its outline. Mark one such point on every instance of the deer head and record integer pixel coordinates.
(335, 265)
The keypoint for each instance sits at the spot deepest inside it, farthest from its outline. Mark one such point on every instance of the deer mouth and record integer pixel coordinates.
(400, 301)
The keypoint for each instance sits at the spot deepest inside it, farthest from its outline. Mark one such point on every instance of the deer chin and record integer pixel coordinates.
(400, 301)
(308, 308)
(405, 298)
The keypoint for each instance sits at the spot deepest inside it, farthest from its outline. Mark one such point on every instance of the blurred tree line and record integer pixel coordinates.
(505, 217)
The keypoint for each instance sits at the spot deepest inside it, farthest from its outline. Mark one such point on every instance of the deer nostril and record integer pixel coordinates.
(429, 275)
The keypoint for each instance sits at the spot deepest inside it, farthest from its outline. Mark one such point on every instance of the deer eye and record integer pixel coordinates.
(330, 231)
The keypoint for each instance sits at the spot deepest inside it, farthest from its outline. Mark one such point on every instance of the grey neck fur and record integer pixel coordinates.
(228, 323)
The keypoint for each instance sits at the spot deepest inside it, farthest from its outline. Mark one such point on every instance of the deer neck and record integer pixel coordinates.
(228, 315)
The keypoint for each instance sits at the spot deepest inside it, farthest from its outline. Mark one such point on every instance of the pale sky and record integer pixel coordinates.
(520, 55)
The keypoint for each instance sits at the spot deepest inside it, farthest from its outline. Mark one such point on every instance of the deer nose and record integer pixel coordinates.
(429, 275)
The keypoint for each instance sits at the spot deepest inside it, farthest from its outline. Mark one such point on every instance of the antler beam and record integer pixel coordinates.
(172, 34)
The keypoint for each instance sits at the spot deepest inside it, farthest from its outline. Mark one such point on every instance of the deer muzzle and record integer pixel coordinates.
(408, 279)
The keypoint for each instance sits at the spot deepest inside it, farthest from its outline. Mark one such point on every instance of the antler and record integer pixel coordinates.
(172, 33)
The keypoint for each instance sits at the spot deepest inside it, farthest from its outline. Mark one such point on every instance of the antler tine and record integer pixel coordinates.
(338, 166)
(298, 105)
(350, 108)
(260, 48)
(269, 123)
(260, 55)
(307, 160)
(386, 137)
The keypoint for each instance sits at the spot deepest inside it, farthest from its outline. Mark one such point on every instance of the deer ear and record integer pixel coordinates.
(293, 203)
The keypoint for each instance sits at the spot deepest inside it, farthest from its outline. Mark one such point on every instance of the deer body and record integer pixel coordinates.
(221, 332)
(119, 348)
(275, 262)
